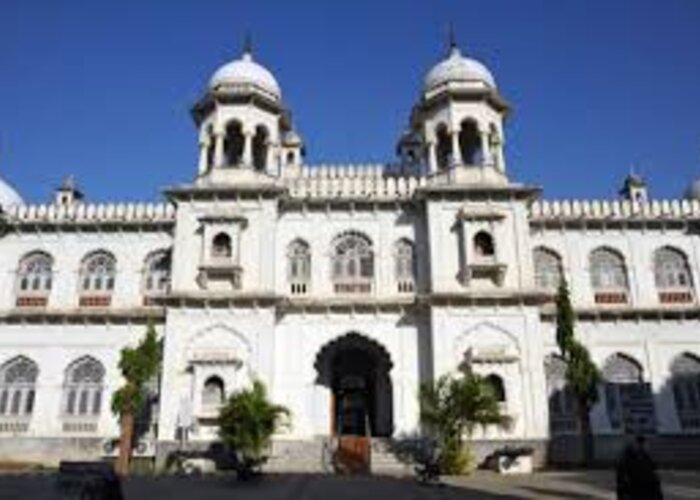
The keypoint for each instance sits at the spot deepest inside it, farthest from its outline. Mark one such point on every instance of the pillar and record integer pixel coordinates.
(456, 151)
(247, 148)
(485, 152)
(432, 159)
(203, 149)
(219, 149)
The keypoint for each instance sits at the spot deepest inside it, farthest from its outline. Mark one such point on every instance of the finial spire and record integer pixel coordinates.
(451, 39)
(248, 44)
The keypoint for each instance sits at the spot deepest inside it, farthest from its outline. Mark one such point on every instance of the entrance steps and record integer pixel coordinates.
(391, 457)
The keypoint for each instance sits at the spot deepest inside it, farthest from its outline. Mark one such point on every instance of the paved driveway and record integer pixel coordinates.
(486, 486)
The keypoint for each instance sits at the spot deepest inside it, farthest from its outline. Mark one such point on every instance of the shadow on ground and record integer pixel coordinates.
(271, 487)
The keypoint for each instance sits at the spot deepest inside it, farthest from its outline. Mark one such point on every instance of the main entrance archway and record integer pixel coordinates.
(356, 370)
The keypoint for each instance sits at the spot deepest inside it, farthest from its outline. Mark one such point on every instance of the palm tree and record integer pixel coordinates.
(247, 422)
(452, 408)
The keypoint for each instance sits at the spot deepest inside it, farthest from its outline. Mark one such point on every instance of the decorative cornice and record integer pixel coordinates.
(83, 214)
(86, 315)
(573, 211)
(615, 313)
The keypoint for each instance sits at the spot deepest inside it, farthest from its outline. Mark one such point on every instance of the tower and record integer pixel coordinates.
(244, 128)
(459, 119)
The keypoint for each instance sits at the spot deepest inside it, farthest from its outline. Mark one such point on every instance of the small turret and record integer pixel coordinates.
(634, 188)
(68, 192)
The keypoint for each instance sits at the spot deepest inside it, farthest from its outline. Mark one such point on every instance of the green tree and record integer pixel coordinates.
(582, 375)
(138, 366)
(247, 422)
(451, 408)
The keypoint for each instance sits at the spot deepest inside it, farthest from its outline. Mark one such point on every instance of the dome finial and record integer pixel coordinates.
(248, 46)
(452, 47)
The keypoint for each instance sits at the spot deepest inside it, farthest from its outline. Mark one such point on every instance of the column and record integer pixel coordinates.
(485, 152)
(432, 159)
(456, 151)
(203, 149)
(218, 149)
(247, 148)
(270, 150)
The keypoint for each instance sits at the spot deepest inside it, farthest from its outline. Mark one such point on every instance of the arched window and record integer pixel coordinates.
(18, 387)
(34, 274)
(548, 268)
(34, 280)
(212, 394)
(82, 390)
(405, 266)
(470, 143)
(290, 158)
(608, 276)
(685, 381)
(628, 398)
(672, 276)
(156, 276)
(221, 246)
(299, 266)
(495, 383)
(443, 149)
(260, 148)
(483, 245)
(98, 273)
(233, 144)
(561, 399)
(352, 264)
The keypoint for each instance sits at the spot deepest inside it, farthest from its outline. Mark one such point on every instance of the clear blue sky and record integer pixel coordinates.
(102, 89)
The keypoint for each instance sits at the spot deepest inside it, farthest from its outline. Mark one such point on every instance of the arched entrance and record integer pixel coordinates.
(356, 370)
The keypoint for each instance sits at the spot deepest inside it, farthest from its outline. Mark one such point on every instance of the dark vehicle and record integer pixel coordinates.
(88, 481)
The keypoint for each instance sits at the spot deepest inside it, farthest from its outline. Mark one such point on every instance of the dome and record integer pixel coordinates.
(457, 68)
(693, 191)
(246, 72)
(292, 138)
(8, 196)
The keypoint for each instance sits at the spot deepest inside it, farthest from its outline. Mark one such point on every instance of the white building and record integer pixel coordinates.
(343, 287)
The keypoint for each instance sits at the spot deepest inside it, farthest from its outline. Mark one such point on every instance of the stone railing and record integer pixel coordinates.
(371, 182)
(128, 213)
(544, 210)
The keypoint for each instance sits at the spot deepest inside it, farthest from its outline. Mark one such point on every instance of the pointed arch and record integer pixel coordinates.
(355, 368)
(405, 265)
(261, 146)
(298, 266)
(561, 399)
(83, 387)
(628, 398)
(98, 272)
(470, 143)
(548, 268)
(18, 378)
(35, 273)
(352, 262)
(234, 142)
(672, 275)
(685, 384)
(156, 271)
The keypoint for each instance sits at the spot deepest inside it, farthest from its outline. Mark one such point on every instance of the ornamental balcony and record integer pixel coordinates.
(485, 268)
(220, 274)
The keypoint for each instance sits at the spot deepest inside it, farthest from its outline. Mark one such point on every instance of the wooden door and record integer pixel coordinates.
(353, 454)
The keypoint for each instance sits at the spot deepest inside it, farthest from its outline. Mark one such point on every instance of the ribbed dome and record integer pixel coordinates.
(246, 72)
(8, 196)
(457, 68)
